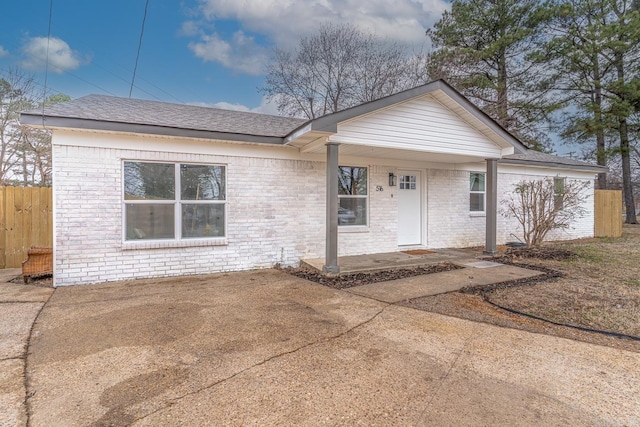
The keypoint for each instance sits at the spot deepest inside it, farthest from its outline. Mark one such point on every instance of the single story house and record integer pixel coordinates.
(151, 189)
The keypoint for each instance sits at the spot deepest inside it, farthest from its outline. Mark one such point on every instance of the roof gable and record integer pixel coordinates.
(439, 89)
(421, 124)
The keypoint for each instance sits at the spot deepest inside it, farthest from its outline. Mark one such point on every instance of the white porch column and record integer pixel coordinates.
(331, 245)
(491, 189)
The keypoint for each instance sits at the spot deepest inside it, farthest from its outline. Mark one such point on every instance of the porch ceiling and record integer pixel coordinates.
(357, 150)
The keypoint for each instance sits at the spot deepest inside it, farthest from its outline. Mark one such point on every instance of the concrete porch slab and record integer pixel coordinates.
(432, 284)
(482, 264)
(392, 260)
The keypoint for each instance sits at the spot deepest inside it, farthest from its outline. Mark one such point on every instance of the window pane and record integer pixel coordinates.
(149, 181)
(202, 220)
(558, 193)
(477, 182)
(202, 182)
(352, 180)
(352, 211)
(150, 221)
(558, 185)
(476, 202)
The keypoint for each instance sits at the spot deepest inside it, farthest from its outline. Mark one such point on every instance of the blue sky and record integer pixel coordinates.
(208, 52)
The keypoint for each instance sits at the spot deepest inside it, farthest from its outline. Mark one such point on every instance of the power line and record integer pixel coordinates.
(135, 68)
(46, 62)
(7, 71)
(89, 83)
(119, 77)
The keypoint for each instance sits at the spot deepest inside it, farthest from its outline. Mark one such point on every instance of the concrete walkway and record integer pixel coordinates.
(19, 306)
(266, 348)
(475, 273)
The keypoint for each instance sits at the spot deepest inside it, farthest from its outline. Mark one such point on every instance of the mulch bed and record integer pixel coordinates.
(541, 252)
(344, 281)
(45, 281)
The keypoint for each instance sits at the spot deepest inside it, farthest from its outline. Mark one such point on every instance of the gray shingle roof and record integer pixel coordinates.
(125, 114)
(179, 116)
(536, 157)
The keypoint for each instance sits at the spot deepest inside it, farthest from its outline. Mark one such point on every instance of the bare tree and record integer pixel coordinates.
(14, 88)
(339, 67)
(25, 153)
(544, 205)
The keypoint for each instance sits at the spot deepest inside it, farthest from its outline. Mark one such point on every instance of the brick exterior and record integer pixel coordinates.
(450, 224)
(275, 214)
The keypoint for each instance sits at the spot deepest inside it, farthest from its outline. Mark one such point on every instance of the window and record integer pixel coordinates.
(352, 195)
(173, 201)
(407, 182)
(476, 193)
(558, 192)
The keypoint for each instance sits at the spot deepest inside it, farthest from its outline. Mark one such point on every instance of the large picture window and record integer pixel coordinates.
(174, 201)
(352, 196)
(476, 192)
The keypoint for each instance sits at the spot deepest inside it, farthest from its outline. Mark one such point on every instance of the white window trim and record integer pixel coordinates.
(484, 195)
(356, 228)
(563, 179)
(178, 240)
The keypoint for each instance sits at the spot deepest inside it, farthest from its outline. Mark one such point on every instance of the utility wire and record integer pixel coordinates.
(126, 79)
(135, 68)
(89, 83)
(46, 62)
(49, 89)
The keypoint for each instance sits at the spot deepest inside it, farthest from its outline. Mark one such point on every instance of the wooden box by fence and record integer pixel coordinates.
(608, 213)
(25, 220)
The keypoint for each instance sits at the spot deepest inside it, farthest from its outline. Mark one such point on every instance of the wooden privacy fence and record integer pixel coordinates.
(25, 221)
(608, 213)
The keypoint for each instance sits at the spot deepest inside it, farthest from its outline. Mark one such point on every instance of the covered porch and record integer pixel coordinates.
(411, 134)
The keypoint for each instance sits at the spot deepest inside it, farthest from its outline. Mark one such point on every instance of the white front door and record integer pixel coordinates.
(409, 208)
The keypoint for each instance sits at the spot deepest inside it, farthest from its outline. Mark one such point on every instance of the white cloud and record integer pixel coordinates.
(61, 57)
(241, 53)
(190, 28)
(284, 23)
(3, 52)
(265, 107)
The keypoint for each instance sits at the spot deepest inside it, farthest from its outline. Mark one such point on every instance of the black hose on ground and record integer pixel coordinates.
(549, 274)
(581, 328)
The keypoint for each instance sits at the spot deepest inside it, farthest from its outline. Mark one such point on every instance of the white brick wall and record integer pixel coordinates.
(583, 227)
(381, 235)
(450, 224)
(275, 214)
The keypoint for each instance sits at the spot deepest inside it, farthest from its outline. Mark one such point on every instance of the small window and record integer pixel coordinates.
(476, 193)
(558, 192)
(352, 196)
(173, 201)
(407, 182)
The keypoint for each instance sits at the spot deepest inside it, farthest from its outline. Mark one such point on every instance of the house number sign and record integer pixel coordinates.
(379, 188)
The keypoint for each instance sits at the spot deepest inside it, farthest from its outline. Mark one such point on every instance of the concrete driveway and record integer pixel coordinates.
(265, 348)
